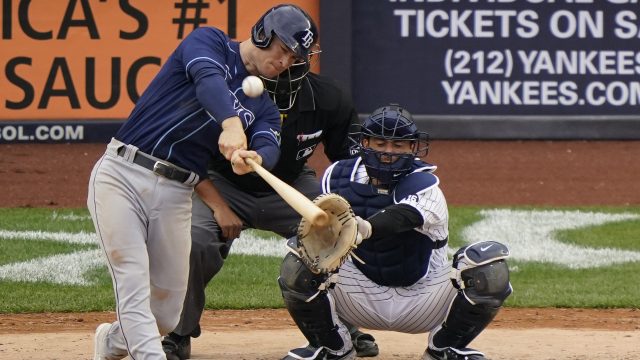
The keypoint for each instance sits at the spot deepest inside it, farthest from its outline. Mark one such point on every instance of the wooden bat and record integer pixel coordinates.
(300, 203)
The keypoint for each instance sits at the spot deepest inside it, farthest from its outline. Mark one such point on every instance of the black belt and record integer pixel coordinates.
(160, 167)
(441, 243)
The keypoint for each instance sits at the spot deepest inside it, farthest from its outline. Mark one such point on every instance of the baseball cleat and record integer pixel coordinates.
(453, 354)
(365, 344)
(100, 342)
(322, 353)
(177, 347)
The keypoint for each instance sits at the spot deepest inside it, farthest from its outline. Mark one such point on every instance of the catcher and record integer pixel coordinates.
(399, 277)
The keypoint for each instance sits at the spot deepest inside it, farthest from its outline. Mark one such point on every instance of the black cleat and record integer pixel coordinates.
(453, 354)
(311, 353)
(177, 347)
(365, 344)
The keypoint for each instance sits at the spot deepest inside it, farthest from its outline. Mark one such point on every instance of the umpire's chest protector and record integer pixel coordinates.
(397, 260)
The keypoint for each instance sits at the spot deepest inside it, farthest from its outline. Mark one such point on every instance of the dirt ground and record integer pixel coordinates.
(496, 173)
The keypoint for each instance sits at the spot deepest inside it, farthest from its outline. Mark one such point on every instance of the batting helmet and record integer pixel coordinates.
(390, 122)
(291, 25)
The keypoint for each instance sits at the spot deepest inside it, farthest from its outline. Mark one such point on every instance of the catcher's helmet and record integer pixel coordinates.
(390, 122)
(291, 25)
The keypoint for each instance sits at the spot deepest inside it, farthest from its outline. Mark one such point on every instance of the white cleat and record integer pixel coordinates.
(100, 342)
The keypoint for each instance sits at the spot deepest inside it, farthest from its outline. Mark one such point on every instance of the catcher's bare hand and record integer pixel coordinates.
(364, 229)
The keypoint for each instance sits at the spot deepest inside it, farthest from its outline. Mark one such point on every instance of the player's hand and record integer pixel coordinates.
(364, 228)
(238, 163)
(232, 137)
(230, 224)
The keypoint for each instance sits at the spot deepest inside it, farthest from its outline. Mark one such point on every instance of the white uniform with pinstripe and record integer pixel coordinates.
(418, 308)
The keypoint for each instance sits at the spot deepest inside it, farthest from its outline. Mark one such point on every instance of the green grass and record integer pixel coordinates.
(250, 281)
(623, 235)
(24, 219)
(548, 285)
(21, 250)
(246, 282)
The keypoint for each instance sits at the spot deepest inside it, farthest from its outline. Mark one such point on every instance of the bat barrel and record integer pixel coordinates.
(299, 202)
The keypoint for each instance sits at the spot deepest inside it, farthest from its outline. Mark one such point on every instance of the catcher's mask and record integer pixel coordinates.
(390, 123)
(292, 25)
(283, 89)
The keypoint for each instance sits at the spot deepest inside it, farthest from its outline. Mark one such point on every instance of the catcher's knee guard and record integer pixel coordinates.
(309, 304)
(482, 277)
(481, 273)
(296, 280)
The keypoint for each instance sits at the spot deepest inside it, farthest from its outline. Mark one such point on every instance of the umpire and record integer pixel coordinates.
(313, 109)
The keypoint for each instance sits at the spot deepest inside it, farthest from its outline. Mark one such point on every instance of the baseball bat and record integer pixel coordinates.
(300, 203)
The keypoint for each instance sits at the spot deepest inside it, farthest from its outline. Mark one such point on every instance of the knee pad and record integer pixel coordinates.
(309, 304)
(297, 282)
(481, 273)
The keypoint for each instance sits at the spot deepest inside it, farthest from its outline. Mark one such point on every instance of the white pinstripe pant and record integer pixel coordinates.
(415, 309)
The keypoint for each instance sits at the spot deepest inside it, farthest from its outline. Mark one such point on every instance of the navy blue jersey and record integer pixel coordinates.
(178, 116)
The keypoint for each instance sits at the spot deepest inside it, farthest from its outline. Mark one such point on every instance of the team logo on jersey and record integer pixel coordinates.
(306, 152)
(305, 137)
(243, 113)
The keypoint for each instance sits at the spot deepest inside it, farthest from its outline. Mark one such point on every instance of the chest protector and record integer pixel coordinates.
(397, 260)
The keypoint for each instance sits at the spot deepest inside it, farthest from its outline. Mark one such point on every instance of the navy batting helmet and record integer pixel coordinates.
(291, 25)
(391, 122)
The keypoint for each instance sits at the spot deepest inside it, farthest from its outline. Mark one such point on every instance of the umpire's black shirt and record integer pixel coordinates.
(322, 113)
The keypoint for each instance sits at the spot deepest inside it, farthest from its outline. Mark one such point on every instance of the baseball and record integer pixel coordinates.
(252, 86)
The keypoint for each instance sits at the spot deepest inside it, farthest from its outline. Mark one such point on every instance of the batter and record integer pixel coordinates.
(140, 190)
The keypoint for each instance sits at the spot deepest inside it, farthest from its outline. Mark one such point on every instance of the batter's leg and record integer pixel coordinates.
(169, 245)
(119, 212)
(208, 252)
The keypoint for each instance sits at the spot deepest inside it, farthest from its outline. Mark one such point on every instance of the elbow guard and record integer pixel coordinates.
(394, 219)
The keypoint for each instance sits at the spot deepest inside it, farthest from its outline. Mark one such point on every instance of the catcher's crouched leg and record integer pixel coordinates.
(310, 305)
(482, 277)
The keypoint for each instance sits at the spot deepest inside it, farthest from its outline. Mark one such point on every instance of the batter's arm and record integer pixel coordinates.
(230, 224)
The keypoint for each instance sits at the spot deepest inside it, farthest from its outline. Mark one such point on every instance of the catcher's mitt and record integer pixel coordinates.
(324, 249)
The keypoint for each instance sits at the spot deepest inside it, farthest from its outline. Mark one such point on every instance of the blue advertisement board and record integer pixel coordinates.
(498, 58)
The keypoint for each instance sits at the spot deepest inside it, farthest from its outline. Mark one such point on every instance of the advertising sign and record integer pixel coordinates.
(86, 61)
(499, 57)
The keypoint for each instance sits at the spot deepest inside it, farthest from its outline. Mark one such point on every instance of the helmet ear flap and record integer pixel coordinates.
(259, 37)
